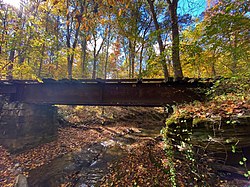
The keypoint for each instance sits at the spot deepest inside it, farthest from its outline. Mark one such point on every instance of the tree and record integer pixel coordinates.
(159, 39)
(175, 39)
(227, 30)
(74, 16)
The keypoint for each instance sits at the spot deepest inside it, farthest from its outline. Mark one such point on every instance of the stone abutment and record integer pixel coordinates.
(23, 126)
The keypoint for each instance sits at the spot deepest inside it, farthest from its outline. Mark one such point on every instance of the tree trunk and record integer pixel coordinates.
(213, 69)
(94, 67)
(234, 54)
(159, 40)
(69, 64)
(96, 54)
(71, 50)
(10, 66)
(4, 29)
(12, 55)
(57, 40)
(175, 39)
(41, 61)
(69, 67)
(213, 64)
(83, 55)
(95, 58)
(140, 61)
(131, 59)
(21, 57)
(107, 54)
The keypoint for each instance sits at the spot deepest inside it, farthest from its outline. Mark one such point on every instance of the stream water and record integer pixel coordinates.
(88, 165)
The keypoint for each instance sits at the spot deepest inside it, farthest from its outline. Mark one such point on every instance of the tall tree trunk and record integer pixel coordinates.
(94, 63)
(69, 64)
(107, 53)
(21, 24)
(43, 47)
(159, 40)
(213, 69)
(131, 59)
(71, 50)
(106, 61)
(21, 57)
(10, 66)
(234, 54)
(4, 30)
(96, 54)
(41, 61)
(57, 41)
(83, 56)
(129, 66)
(142, 49)
(213, 64)
(12, 55)
(140, 61)
(175, 39)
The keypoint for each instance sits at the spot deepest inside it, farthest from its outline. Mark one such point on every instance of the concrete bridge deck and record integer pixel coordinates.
(99, 92)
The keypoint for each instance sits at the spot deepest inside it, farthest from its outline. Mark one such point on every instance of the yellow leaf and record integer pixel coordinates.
(120, 12)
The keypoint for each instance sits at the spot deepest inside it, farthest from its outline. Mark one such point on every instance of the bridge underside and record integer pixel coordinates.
(152, 92)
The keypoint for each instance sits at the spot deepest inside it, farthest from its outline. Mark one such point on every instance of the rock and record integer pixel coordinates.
(23, 126)
(18, 171)
(21, 181)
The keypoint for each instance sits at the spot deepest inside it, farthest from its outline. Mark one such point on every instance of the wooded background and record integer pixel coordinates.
(124, 39)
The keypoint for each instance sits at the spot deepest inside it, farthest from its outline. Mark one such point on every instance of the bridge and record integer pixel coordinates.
(28, 117)
(99, 92)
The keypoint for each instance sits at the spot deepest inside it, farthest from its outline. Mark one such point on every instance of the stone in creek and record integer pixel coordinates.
(21, 181)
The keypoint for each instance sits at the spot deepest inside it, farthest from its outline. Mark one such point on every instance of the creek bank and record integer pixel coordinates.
(213, 136)
(223, 144)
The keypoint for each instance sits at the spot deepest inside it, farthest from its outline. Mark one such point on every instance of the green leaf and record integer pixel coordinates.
(233, 149)
(246, 175)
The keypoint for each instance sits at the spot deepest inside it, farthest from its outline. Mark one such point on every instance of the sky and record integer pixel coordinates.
(12, 2)
(193, 7)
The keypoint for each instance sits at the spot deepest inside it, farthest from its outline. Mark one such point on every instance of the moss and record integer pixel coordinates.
(198, 121)
(170, 121)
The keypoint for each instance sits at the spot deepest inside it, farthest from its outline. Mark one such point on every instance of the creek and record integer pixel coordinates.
(212, 141)
(87, 166)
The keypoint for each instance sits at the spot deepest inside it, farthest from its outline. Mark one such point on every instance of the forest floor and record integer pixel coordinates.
(88, 126)
(142, 165)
